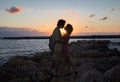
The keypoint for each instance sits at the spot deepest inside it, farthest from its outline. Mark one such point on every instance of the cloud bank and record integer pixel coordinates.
(14, 10)
(17, 32)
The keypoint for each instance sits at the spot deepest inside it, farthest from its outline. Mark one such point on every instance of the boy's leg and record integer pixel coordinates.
(58, 60)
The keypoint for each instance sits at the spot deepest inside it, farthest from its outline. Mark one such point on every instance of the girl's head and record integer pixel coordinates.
(69, 28)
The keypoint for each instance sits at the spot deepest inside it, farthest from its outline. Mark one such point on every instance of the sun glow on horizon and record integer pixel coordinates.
(63, 31)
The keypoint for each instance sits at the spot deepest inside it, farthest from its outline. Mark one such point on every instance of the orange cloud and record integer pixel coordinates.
(14, 10)
(92, 15)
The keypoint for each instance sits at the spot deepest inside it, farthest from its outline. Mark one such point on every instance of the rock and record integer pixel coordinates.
(105, 63)
(63, 79)
(45, 70)
(21, 80)
(92, 48)
(114, 52)
(38, 76)
(115, 60)
(37, 58)
(45, 62)
(40, 55)
(112, 75)
(76, 61)
(18, 61)
(82, 70)
(18, 67)
(64, 69)
(91, 76)
(24, 71)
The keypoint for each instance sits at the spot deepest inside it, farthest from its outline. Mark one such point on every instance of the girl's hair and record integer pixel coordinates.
(69, 28)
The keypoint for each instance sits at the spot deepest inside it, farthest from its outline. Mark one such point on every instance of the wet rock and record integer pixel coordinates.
(91, 76)
(63, 79)
(18, 67)
(112, 75)
(105, 63)
(21, 80)
(19, 61)
(92, 49)
(83, 69)
(38, 76)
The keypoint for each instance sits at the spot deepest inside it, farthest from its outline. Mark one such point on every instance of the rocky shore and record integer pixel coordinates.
(94, 61)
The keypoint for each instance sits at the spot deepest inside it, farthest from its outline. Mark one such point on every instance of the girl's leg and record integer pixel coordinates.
(71, 66)
(69, 62)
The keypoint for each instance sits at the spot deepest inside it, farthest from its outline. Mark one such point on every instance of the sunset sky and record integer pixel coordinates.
(39, 17)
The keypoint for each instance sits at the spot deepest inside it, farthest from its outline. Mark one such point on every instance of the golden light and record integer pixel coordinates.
(63, 32)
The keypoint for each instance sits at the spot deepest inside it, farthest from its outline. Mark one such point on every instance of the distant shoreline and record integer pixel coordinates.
(72, 37)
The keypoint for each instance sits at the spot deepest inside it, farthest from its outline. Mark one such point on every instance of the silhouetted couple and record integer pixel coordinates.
(61, 47)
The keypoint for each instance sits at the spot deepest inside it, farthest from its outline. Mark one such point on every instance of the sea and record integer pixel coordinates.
(28, 47)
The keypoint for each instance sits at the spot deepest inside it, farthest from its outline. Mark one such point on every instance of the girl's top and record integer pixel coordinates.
(65, 44)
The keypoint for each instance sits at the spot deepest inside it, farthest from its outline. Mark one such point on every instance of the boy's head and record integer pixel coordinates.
(69, 28)
(61, 23)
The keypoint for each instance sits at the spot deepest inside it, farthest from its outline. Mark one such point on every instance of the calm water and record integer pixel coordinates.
(9, 48)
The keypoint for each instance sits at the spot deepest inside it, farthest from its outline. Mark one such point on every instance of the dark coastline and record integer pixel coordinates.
(72, 37)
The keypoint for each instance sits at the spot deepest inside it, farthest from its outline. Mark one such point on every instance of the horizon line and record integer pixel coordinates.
(73, 36)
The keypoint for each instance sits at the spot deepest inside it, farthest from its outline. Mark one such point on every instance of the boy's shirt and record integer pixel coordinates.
(57, 37)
